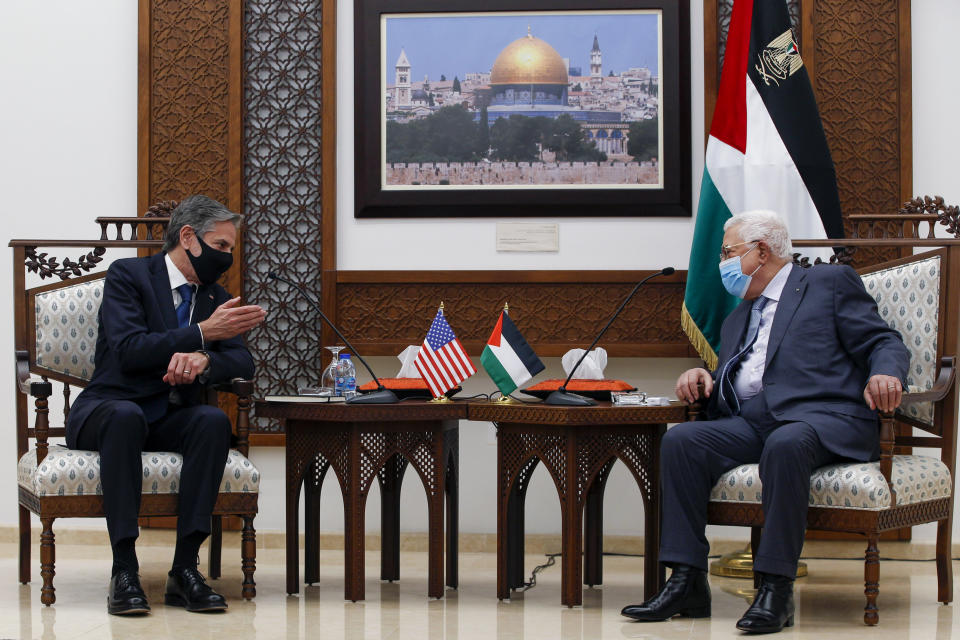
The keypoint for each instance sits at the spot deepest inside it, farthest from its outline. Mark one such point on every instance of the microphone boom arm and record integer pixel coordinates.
(382, 395)
(561, 396)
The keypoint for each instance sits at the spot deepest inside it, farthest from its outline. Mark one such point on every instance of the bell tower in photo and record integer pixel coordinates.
(403, 81)
(596, 60)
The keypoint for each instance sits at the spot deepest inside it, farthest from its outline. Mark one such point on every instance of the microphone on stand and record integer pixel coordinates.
(561, 397)
(382, 395)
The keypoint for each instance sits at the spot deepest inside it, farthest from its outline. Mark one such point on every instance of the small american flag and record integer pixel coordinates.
(442, 361)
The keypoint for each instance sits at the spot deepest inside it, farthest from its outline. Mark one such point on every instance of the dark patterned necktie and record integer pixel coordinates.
(183, 310)
(727, 393)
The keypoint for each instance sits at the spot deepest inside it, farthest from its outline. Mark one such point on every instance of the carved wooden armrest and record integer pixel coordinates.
(36, 388)
(41, 391)
(941, 387)
(888, 434)
(243, 389)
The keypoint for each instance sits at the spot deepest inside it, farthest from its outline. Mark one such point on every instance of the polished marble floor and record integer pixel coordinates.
(829, 601)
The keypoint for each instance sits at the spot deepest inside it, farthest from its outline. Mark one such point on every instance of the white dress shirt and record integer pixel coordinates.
(748, 380)
(176, 279)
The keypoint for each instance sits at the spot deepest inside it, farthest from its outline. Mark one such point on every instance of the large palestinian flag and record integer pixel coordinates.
(766, 150)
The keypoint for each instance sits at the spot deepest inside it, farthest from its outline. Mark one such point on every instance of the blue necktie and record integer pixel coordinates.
(183, 311)
(727, 393)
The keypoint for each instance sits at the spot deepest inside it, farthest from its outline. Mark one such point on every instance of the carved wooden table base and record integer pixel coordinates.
(362, 444)
(577, 446)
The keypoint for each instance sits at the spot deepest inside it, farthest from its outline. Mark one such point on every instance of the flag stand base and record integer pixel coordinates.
(739, 564)
(505, 400)
(441, 400)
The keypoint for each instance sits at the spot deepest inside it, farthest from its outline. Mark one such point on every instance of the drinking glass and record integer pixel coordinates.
(329, 378)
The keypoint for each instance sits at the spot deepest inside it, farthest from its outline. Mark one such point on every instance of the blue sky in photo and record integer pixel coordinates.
(457, 45)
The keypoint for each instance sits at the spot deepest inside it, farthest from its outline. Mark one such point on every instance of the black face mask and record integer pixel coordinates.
(210, 264)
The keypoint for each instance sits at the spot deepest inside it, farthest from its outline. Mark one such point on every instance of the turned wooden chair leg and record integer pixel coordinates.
(24, 545)
(47, 561)
(216, 544)
(871, 578)
(944, 563)
(248, 551)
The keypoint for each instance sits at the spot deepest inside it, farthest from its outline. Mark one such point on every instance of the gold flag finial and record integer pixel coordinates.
(506, 307)
(441, 305)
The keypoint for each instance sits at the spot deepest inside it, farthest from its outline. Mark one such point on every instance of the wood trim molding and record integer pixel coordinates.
(555, 310)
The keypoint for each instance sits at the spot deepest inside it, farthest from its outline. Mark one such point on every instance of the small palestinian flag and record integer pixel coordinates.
(508, 359)
(766, 150)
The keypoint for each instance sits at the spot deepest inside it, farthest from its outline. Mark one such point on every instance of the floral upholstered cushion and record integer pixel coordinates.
(858, 485)
(66, 328)
(70, 472)
(908, 299)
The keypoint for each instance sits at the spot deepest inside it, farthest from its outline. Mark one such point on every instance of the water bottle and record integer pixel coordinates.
(346, 383)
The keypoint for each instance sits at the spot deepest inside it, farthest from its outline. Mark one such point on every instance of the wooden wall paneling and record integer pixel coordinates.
(190, 106)
(555, 310)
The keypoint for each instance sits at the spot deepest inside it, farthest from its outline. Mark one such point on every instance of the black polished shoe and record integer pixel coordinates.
(126, 596)
(186, 587)
(772, 608)
(686, 593)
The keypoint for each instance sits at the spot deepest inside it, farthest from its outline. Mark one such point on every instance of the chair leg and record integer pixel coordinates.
(24, 545)
(248, 551)
(944, 564)
(216, 544)
(47, 561)
(871, 578)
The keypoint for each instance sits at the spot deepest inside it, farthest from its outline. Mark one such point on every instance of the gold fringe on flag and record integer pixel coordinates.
(697, 339)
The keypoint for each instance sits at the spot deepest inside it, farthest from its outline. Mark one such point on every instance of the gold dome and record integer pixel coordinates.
(528, 60)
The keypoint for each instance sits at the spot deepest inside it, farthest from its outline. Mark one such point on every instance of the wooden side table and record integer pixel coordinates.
(577, 446)
(363, 443)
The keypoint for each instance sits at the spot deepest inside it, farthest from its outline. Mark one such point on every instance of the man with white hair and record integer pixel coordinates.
(805, 362)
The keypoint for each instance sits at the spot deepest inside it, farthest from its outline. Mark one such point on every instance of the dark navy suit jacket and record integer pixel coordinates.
(139, 334)
(827, 339)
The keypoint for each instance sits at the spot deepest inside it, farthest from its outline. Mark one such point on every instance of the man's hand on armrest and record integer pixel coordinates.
(688, 384)
(883, 392)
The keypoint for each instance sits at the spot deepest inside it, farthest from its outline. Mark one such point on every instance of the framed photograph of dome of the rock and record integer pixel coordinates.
(522, 108)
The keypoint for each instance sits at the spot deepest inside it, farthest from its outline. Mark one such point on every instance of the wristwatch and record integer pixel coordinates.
(203, 377)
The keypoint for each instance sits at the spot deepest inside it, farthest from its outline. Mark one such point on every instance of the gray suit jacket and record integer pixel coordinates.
(827, 339)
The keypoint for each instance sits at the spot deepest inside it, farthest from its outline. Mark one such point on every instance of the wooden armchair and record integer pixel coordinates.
(919, 295)
(55, 337)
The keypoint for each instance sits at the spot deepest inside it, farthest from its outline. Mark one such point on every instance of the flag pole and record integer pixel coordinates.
(506, 399)
(442, 399)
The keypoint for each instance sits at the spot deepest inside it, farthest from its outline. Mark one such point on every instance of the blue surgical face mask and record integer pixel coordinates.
(735, 281)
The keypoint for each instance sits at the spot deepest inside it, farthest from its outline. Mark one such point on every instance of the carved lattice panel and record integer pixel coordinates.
(189, 106)
(282, 164)
(858, 81)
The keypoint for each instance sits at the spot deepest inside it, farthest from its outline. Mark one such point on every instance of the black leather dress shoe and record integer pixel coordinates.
(126, 596)
(686, 593)
(187, 588)
(772, 608)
